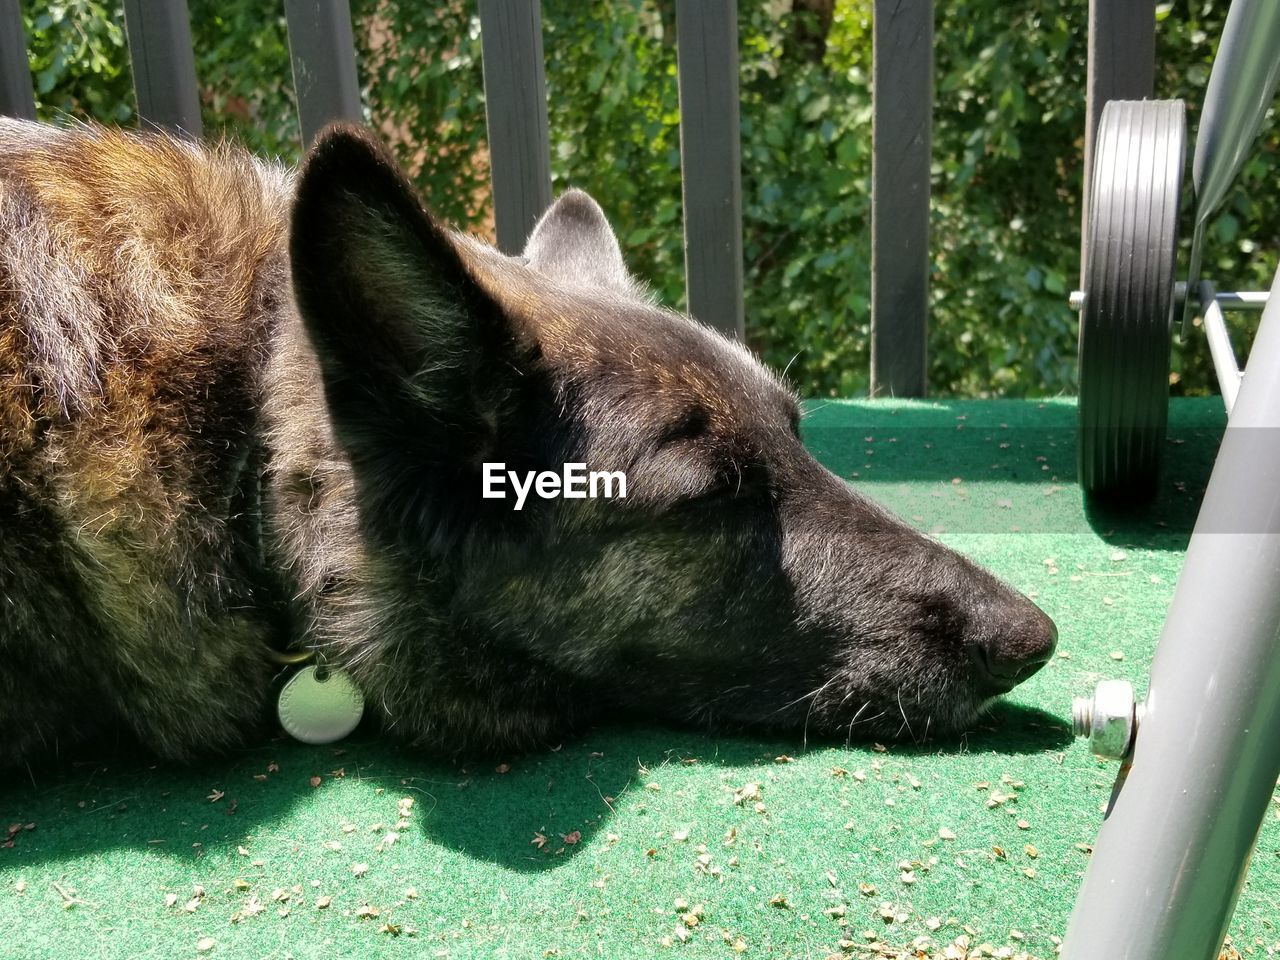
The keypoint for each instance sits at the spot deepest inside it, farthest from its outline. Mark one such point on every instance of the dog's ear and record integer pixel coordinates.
(573, 243)
(414, 354)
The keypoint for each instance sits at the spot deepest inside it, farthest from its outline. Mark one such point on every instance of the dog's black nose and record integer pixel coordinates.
(1014, 649)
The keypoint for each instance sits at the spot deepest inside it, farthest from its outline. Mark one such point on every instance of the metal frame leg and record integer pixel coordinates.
(1171, 856)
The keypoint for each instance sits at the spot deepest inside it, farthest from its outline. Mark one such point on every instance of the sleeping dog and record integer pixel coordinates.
(245, 410)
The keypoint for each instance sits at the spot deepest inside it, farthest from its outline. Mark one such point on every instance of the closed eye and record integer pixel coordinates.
(691, 425)
(737, 482)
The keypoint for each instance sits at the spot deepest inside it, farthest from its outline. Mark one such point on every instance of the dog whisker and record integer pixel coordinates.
(849, 736)
(800, 699)
(905, 721)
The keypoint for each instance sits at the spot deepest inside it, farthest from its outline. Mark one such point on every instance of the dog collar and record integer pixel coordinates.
(319, 703)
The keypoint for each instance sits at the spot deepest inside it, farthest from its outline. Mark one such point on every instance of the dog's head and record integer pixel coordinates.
(738, 582)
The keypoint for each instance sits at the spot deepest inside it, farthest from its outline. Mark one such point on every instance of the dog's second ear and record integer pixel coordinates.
(573, 243)
(416, 357)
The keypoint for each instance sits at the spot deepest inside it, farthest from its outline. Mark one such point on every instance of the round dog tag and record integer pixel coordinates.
(320, 705)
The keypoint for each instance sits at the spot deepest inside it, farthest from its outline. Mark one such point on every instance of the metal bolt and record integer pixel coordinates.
(1109, 720)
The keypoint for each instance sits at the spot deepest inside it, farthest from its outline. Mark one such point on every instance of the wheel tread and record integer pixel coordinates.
(1126, 322)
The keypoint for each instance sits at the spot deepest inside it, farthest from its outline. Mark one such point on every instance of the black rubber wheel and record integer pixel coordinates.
(1126, 324)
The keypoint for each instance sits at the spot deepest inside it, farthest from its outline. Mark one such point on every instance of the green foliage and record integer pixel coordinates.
(78, 61)
(1009, 120)
(614, 118)
(420, 65)
(1007, 135)
(242, 57)
(806, 153)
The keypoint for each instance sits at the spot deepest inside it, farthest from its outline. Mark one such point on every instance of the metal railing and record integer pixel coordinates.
(1121, 65)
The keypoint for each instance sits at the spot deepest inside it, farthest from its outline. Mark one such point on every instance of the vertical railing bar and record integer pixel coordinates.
(323, 52)
(1122, 66)
(902, 96)
(164, 65)
(516, 114)
(710, 160)
(17, 98)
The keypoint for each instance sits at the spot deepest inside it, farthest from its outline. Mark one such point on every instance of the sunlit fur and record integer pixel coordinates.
(242, 408)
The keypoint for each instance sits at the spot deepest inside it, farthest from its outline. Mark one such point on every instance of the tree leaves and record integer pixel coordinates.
(1007, 144)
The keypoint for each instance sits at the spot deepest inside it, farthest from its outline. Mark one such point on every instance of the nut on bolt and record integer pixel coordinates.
(1109, 720)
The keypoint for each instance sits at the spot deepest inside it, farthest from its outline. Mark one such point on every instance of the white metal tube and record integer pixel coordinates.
(1250, 301)
(1224, 358)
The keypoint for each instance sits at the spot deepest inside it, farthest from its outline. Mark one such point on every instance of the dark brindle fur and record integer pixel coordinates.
(180, 326)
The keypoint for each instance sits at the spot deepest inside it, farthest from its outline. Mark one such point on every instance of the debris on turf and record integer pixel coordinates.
(747, 793)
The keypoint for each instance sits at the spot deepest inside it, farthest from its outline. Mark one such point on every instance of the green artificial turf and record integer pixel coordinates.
(588, 850)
